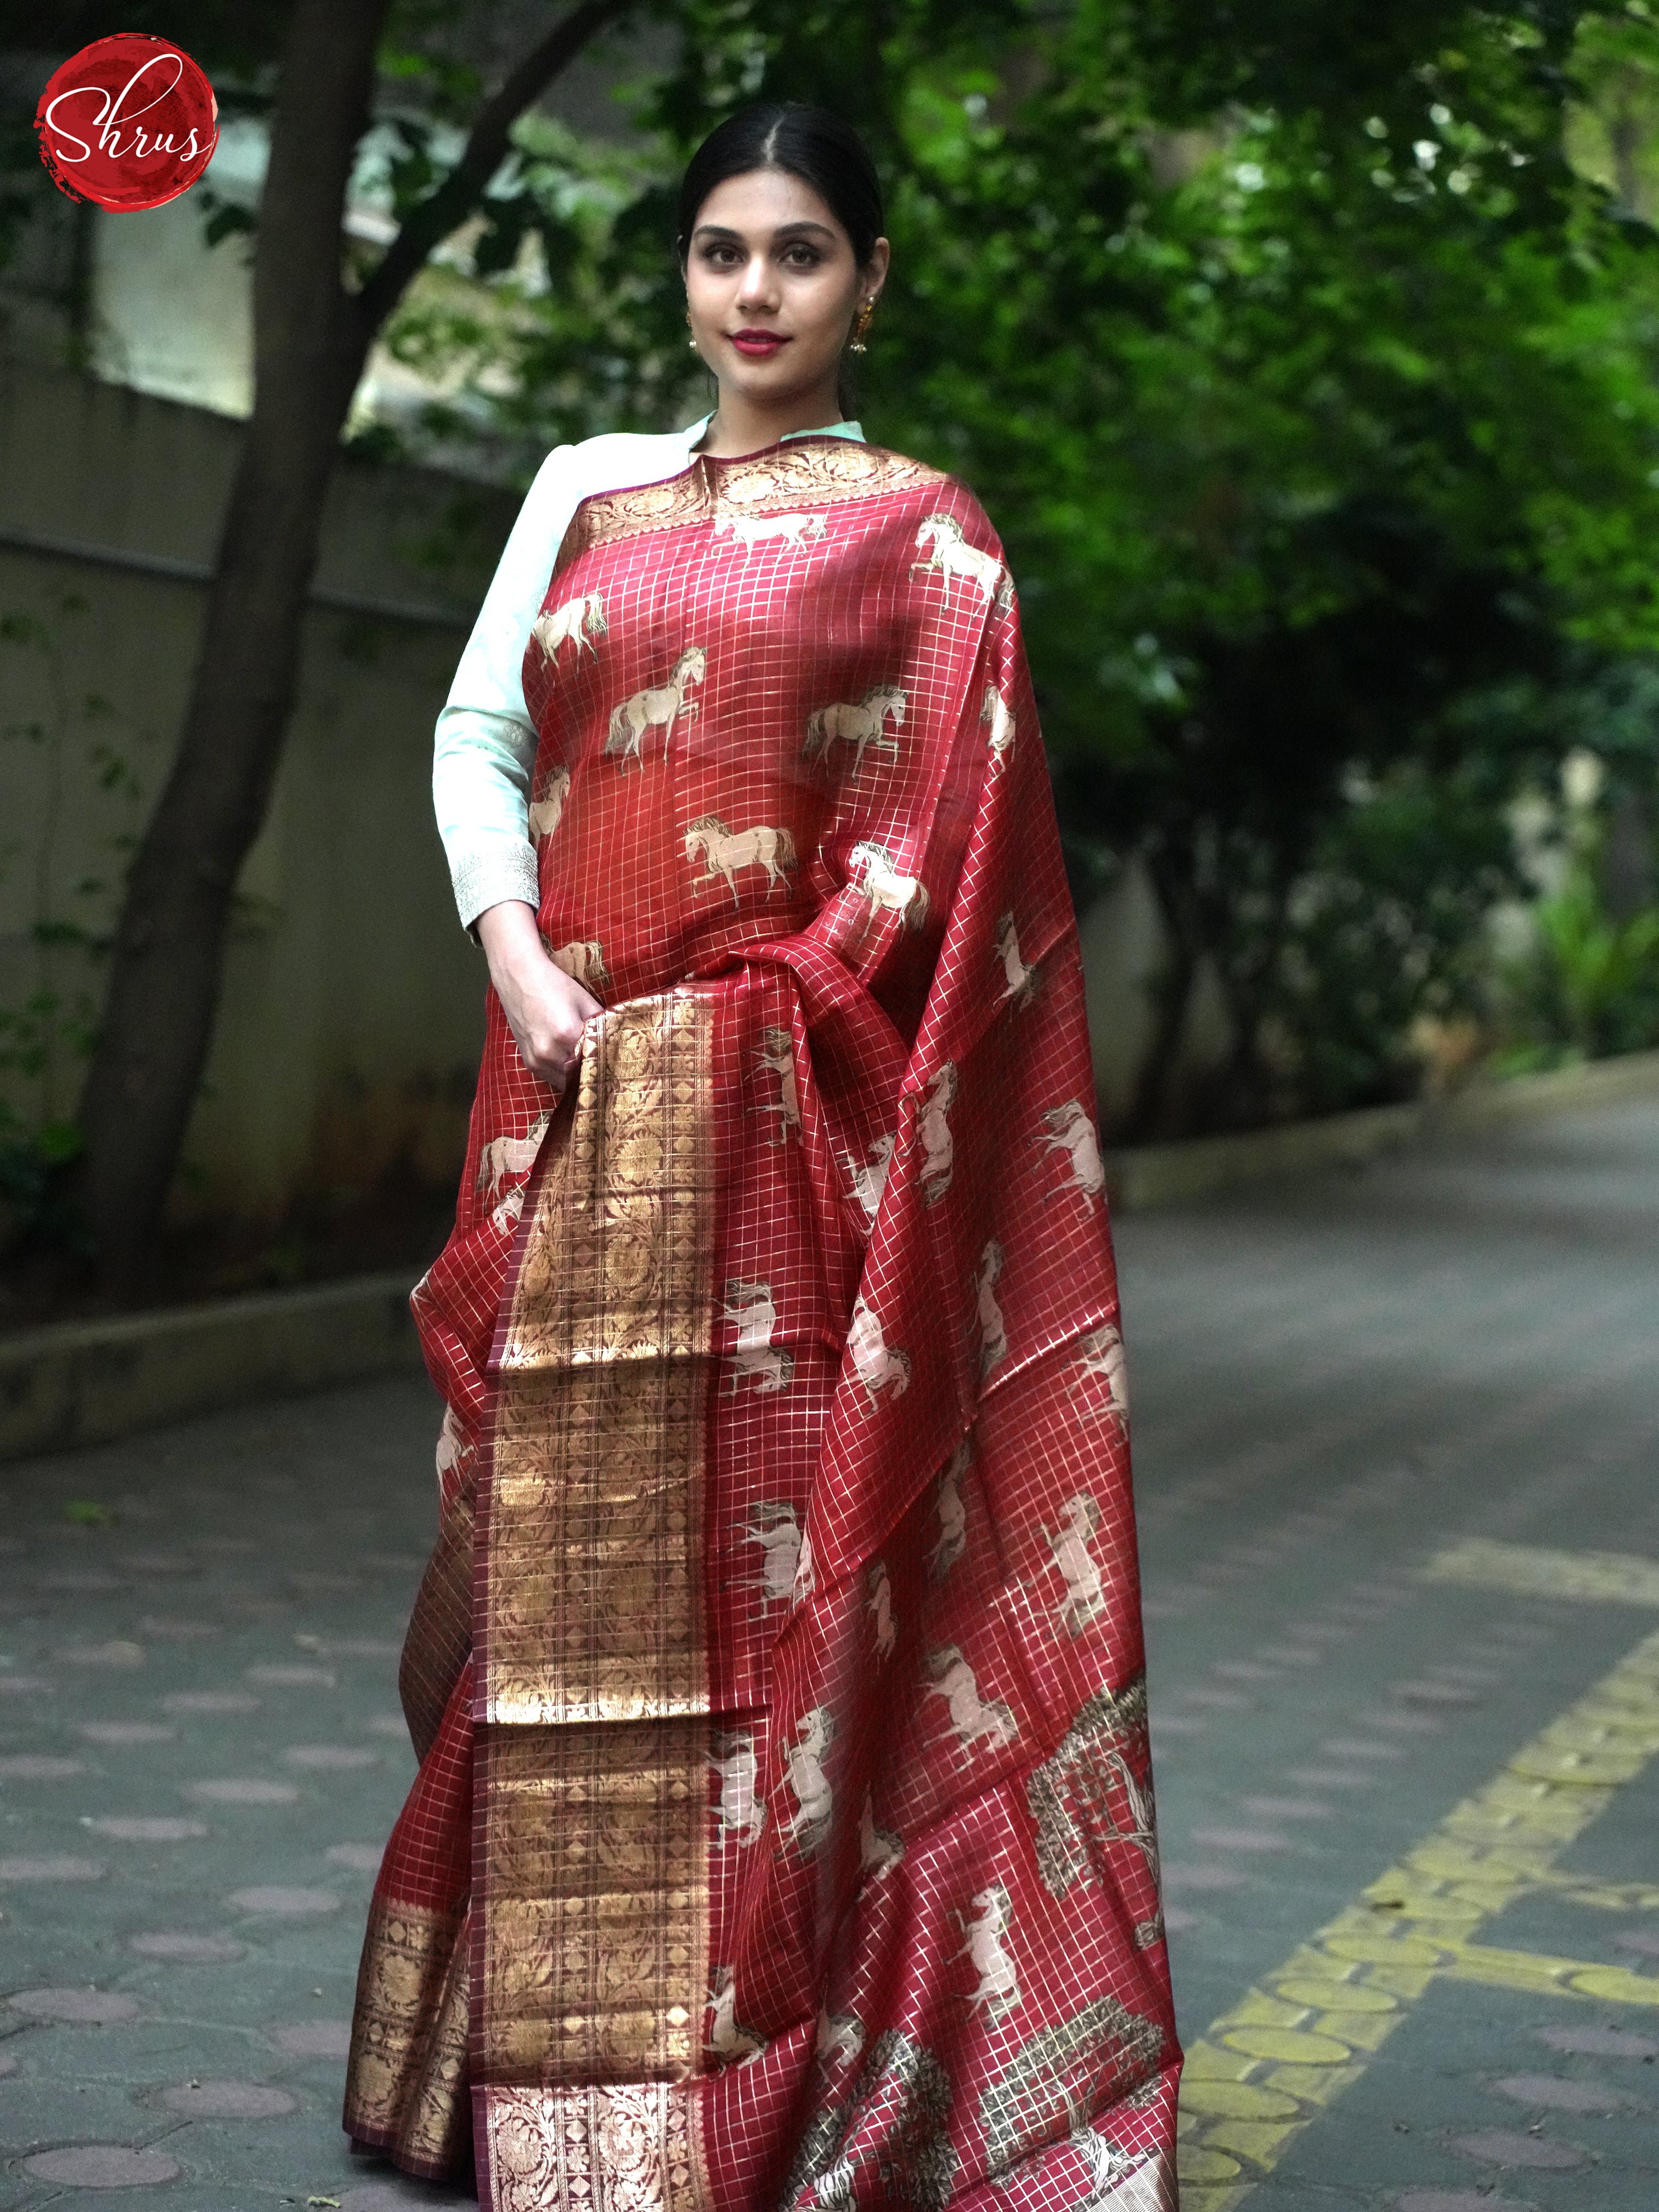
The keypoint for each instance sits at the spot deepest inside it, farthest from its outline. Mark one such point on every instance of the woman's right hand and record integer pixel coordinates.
(546, 1010)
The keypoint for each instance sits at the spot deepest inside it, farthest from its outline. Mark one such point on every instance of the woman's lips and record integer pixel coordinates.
(758, 345)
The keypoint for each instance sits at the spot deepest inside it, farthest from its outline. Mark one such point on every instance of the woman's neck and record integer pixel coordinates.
(740, 425)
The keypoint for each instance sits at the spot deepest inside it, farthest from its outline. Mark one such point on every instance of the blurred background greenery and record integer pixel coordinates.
(1306, 355)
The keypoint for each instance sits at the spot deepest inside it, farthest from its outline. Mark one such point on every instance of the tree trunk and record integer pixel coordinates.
(1172, 995)
(308, 349)
(311, 338)
(1246, 984)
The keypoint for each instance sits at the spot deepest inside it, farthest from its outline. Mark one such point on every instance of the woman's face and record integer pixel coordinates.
(773, 286)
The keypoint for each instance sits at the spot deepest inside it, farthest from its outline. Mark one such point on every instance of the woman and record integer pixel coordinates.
(783, 1833)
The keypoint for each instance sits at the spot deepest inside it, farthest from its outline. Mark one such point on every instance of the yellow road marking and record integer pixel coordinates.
(1537, 1975)
(1530, 1570)
(1272, 2064)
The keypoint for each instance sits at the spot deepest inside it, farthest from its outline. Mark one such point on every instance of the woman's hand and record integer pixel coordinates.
(546, 1010)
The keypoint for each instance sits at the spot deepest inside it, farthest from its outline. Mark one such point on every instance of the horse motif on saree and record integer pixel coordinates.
(783, 1837)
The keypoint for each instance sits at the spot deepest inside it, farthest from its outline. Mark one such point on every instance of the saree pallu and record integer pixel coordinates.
(783, 1835)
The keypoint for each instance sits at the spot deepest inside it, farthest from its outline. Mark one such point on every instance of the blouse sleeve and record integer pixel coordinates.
(486, 743)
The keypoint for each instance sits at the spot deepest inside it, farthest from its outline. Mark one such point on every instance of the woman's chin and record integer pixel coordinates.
(779, 382)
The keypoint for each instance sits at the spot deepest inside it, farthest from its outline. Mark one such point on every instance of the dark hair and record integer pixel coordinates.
(808, 142)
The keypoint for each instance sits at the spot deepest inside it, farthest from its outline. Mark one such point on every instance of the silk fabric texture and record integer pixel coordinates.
(783, 1835)
(485, 746)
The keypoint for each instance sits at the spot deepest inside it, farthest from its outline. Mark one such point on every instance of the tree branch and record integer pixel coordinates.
(446, 208)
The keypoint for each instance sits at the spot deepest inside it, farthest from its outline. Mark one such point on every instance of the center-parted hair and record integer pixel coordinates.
(808, 142)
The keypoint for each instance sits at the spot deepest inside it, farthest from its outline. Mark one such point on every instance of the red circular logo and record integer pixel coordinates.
(129, 122)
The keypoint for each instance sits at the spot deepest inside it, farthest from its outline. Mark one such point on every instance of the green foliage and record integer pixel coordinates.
(1387, 928)
(224, 218)
(1602, 976)
(1304, 437)
(1613, 129)
(34, 1207)
(1593, 984)
(570, 332)
(46, 1035)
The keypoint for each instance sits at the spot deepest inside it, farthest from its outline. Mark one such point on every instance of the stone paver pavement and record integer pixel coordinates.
(201, 1751)
(1331, 1386)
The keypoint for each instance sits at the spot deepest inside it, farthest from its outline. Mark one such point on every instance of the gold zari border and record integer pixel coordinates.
(593, 1607)
(438, 1639)
(595, 1964)
(593, 1715)
(805, 472)
(625, 2149)
(406, 2078)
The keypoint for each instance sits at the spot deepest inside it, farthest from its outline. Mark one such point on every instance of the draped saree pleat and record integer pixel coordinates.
(783, 1835)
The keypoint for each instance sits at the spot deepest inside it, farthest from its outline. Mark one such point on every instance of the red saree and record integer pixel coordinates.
(783, 1835)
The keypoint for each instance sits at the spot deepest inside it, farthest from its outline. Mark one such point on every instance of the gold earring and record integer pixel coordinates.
(862, 325)
(689, 325)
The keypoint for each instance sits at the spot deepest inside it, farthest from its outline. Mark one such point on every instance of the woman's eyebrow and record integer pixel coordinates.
(711, 233)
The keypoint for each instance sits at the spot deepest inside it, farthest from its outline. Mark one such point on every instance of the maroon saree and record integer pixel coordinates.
(783, 1835)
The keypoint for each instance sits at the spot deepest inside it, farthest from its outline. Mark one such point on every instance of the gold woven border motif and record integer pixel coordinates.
(805, 472)
(632, 2150)
(406, 2076)
(594, 1720)
(438, 1639)
(436, 2129)
(609, 515)
(596, 1904)
(811, 471)
(593, 1598)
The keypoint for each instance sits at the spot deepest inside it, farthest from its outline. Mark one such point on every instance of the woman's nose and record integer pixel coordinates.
(759, 288)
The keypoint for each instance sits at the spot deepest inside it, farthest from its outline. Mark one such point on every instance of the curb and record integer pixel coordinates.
(1142, 1177)
(1598, 1083)
(85, 1381)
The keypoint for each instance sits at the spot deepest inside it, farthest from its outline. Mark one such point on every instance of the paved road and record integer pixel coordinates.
(1395, 1441)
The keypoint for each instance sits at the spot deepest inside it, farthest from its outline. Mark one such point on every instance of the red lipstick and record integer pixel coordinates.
(758, 345)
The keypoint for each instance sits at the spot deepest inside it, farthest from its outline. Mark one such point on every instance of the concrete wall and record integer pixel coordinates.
(351, 1018)
(350, 1027)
